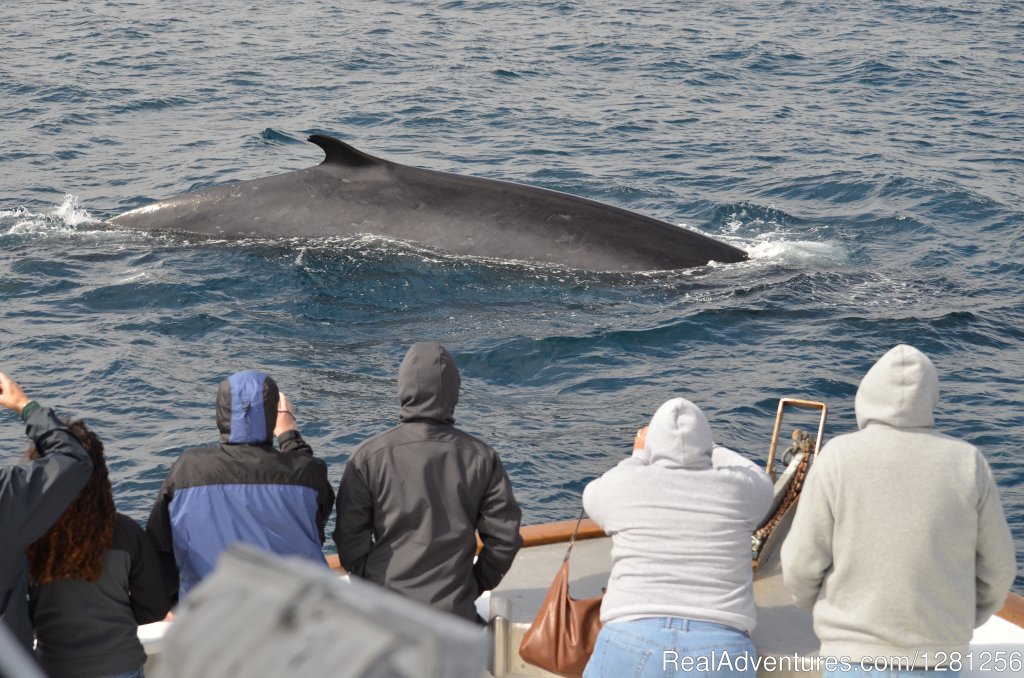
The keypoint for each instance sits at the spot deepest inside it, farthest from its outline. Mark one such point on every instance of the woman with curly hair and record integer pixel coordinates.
(93, 578)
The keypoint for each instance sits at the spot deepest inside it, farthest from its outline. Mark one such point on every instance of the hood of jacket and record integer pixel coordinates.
(679, 436)
(247, 408)
(900, 390)
(428, 384)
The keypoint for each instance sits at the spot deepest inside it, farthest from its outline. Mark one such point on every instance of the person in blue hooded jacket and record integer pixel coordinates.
(242, 490)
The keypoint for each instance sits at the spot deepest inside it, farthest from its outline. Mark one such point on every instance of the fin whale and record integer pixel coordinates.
(351, 193)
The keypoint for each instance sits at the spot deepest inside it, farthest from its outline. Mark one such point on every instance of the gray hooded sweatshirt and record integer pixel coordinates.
(680, 513)
(899, 544)
(414, 498)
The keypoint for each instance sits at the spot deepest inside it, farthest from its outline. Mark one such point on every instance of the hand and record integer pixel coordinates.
(641, 437)
(11, 395)
(285, 418)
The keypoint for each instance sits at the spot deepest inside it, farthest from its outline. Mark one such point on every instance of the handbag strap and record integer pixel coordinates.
(572, 539)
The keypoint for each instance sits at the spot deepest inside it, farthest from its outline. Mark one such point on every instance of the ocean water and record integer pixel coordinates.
(869, 157)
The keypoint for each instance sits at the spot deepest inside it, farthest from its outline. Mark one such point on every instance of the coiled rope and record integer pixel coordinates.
(803, 443)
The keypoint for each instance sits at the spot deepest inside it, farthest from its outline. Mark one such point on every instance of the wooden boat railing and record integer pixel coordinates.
(533, 535)
(559, 532)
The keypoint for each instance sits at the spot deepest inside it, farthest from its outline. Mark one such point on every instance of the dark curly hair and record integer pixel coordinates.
(73, 548)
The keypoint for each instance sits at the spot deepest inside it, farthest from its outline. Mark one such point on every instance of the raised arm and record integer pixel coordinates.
(291, 442)
(34, 494)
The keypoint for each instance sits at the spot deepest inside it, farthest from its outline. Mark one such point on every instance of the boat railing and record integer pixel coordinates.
(777, 428)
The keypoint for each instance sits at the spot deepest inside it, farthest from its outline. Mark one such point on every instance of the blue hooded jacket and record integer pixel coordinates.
(243, 490)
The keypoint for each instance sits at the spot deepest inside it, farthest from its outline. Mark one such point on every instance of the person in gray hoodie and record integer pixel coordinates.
(680, 512)
(413, 499)
(899, 544)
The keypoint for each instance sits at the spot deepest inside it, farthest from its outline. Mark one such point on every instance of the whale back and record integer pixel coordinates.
(351, 193)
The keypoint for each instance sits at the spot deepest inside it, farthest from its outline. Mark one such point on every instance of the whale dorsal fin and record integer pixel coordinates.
(340, 153)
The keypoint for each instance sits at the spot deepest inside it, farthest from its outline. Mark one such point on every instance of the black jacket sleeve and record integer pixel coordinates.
(291, 442)
(150, 601)
(498, 526)
(34, 494)
(158, 527)
(353, 533)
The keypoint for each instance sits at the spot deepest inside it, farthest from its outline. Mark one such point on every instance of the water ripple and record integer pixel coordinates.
(866, 156)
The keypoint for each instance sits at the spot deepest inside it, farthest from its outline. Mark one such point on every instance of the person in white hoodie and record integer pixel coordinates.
(680, 512)
(899, 544)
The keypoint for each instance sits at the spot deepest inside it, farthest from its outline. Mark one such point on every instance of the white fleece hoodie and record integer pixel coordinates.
(899, 543)
(680, 513)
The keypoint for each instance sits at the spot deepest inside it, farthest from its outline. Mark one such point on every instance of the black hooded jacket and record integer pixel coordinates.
(33, 495)
(413, 499)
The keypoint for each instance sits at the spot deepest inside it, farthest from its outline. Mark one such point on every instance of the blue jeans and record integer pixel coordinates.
(856, 671)
(137, 673)
(670, 646)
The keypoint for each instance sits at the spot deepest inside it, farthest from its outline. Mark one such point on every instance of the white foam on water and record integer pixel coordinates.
(73, 214)
(68, 217)
(804, 252)
(18, 213)
(776, 244)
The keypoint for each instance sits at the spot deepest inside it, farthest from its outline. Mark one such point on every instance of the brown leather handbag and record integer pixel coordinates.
(562, 635)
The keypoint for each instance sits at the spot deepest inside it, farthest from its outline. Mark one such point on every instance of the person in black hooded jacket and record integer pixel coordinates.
(33, 495)
(243, 490)
(413, 499)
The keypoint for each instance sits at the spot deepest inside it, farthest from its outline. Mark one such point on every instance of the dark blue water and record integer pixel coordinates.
(869, 156)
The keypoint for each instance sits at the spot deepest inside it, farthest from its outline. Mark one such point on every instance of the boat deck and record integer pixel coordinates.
(784, 632)
(784, 636)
